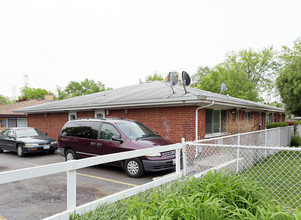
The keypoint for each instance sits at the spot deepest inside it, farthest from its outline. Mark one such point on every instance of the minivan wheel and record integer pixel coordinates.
(134, 167)
(70, 155)
(20, 151)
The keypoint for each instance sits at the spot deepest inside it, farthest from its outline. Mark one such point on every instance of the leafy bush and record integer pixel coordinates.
(277, 124)
(296, 141)
(217, 195)
(298, 122)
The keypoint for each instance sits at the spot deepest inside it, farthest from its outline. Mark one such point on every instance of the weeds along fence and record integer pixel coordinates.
(261, 156)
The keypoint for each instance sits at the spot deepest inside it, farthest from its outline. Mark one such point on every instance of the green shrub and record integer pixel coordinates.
(296, 141)
(298, 122)
(277, 124)
(217, 195)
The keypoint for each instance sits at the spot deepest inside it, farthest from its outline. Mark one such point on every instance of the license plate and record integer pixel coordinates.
(45, 147)
(174, 162)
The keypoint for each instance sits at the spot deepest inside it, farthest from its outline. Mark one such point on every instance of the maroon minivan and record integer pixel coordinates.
(92, 137)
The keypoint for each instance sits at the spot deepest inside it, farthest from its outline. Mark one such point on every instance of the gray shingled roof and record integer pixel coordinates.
(153, 94)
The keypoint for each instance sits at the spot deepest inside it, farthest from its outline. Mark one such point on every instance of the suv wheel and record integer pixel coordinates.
(70, 155)
(20, 151)
(134, 167)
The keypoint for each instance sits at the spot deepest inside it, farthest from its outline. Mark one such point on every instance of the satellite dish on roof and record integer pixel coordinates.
(223, 88)
(186, 80)
(173, 80)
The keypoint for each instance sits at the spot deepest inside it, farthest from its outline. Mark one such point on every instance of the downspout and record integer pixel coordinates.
(197, 118)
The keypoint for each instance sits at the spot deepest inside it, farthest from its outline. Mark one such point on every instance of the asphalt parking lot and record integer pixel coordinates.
(41, 197)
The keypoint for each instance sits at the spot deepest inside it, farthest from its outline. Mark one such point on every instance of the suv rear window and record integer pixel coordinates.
(87, 129)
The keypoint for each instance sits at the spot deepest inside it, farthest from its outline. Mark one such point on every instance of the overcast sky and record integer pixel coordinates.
(120, 42)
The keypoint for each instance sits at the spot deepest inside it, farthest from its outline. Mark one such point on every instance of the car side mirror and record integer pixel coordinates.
(117, 138)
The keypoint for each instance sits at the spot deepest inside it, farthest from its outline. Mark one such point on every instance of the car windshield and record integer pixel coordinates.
(28, 132)
(135, 130)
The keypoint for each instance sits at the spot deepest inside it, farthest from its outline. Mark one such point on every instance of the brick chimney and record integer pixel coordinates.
(48, 97)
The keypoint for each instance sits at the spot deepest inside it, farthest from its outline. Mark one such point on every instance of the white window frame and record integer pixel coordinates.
(22, 119)
(280, 117)
(237, 115)
(220, 124)
(246, 114)
(102, 112)
(72, 114)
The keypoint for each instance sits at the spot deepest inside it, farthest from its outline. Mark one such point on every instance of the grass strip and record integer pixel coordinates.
(217, 195)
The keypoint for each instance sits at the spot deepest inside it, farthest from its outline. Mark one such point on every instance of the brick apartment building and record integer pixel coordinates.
(172, 114)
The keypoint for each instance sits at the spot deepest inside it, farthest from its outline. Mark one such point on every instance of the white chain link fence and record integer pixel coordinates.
(261, 156)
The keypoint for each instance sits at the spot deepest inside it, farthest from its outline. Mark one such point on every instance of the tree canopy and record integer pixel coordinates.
(289, 86)
(154, 77)
(33, 93)
(3, 100)
(84, 87)
(238, 83)
(246, 74)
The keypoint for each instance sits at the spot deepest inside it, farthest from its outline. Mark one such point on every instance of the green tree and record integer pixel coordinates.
(3, 100)
(33, 93)
(238, 83)
(261, 67)
(154, 77)
(84, 87)
(288, 54)
(246, 73)
(289, 86)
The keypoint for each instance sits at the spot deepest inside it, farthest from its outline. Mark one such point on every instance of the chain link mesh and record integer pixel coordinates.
(256, 156)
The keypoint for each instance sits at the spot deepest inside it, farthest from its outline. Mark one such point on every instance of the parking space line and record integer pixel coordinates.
(94, 177)
(110, 180)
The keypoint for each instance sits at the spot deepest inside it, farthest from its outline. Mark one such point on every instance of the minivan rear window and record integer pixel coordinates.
(88, 129)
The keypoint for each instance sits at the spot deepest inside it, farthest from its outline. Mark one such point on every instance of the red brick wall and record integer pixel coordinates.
(87, 114)
(283, 117)
(255, 116)
(51, 123)
(172, 123)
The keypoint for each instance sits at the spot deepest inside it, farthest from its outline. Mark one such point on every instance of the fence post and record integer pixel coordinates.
(178, 160)
(279, 137)
(266, 143)
(71, 188)
(237, 153)
(184, 157)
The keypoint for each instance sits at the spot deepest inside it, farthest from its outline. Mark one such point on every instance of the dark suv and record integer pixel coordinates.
(90, 137)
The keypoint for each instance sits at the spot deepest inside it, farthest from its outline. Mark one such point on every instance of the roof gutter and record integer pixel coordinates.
(197, 118)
